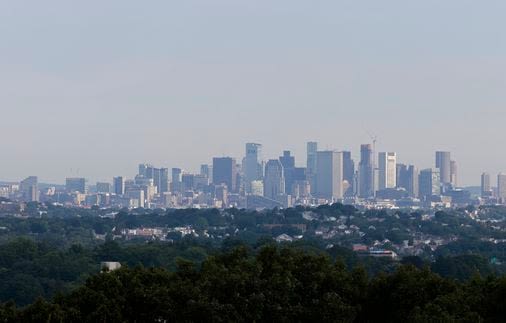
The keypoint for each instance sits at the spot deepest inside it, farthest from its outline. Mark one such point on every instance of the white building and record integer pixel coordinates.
(387, 162)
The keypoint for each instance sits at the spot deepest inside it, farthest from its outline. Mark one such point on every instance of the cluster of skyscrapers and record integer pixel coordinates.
(328, 176)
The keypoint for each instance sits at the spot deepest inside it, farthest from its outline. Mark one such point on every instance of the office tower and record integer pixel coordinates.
(288, 162)
(301, 189)
(204, 170)
(366, 172)
(501, 187)
(75, 184)
(401, 171)
(443, 162)
(274, 179)
(329, 175)
(387, 170)
(207, 170)
(137, 196)
(312, 149)
(118, 185)
(225, 172)
(103, 187)
(143, 169)
(160, 176)
(349, 173)
(200, 182)
(412, 181)
(429, 182)
(29, 189)
(187, 181)
(162, 180)
(252, 165)
(486, 189)
(221, 194)
(176, 185)
(453, 173)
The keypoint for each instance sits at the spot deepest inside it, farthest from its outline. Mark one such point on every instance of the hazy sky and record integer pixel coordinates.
(100, 85)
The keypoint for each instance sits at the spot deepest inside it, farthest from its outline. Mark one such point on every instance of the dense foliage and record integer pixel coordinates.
(273, 284)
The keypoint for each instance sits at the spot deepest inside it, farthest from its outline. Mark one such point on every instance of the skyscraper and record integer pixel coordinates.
(501, 187)
(29, 189)
(103, 187)
(288, 162)
(225, 172)
(251, 165)
(349, 173)
(366, 172)
(274, 181)
(486, 189)
(443, 162)
(206, 171)
(453, 173)
(119, 185)
(176, 184)
(329, 181)
(429, 182)
(387, 163)
(75, 184)
(412, 181)
(402, 176)
(312, 149)
(162, 180)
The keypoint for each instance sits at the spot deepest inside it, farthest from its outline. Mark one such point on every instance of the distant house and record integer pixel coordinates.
(107, 266)
(284, 238)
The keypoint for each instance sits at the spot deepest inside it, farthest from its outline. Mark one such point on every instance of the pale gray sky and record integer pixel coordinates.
(100, 86)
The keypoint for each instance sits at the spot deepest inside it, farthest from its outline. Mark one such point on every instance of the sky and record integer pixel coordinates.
(92, 88)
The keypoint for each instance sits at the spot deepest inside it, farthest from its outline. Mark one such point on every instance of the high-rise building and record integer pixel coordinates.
(443, 162)
(402, 176)
(486, 189)
(349, 173)
(187, 181)
(329, 175)
(225, 172)
(143, 169)
(29, 189)
(274, 180)
(162, 180)
(252, 165)
(453, 173)
(75, 184)
(429, 182)
(103, 187)
(207, 171)
(288, 162)
(501, 187)
(137, 197)
(387, 162)
(119, 185)
(177, 176)
(412, 181)
(366, 172)
(312, 149)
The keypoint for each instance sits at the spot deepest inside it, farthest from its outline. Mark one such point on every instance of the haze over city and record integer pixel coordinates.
(100, 87)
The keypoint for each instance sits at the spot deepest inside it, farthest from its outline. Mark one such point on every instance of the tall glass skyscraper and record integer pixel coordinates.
(366, 172)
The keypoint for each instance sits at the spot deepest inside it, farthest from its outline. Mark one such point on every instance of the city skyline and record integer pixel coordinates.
(299, 159)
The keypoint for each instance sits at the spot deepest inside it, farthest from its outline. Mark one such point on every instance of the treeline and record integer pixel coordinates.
(272, 285)
(30, 269)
